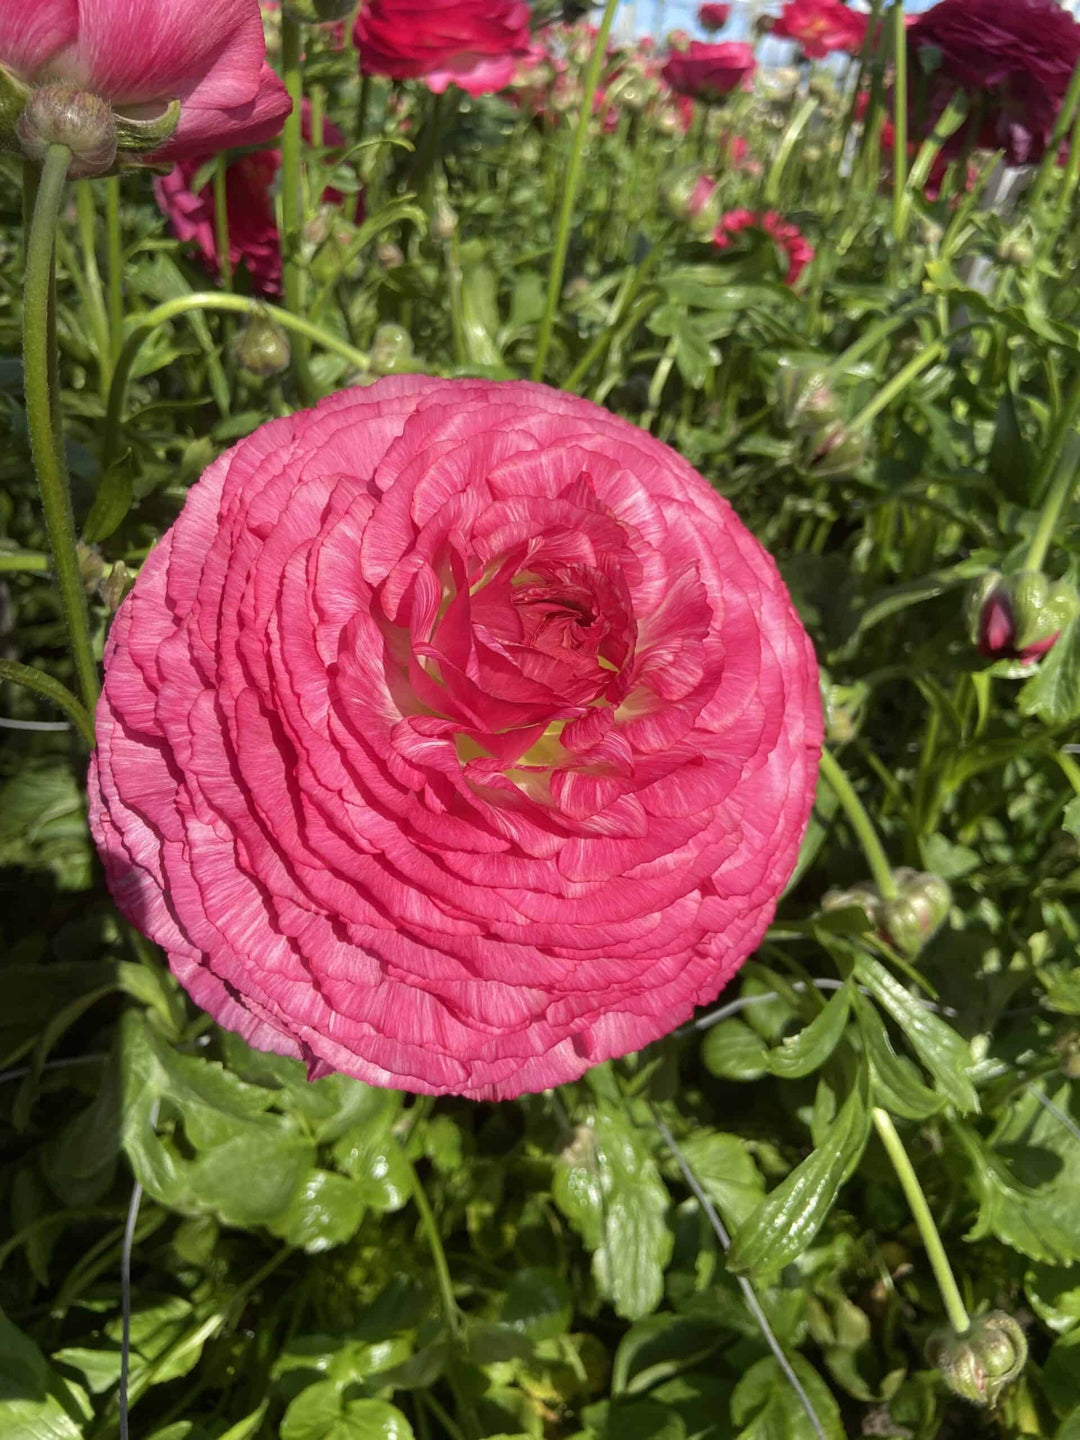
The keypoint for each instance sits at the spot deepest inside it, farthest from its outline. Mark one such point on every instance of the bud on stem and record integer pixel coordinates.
(62, 115)
(978, 1364)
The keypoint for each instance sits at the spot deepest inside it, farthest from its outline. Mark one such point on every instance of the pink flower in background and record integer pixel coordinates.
(709, 72)
(787, 238)
(456, 737)
(713, 17)
(142, 54)
(253, 234)
(475, 44)
(821, 26)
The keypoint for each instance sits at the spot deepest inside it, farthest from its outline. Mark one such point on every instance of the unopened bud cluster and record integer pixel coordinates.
(911, 919)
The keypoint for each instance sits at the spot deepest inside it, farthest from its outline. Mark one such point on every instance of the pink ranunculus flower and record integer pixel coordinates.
(821, 26)
(797, 252)
(709, 72)
(140, 55)
(474, 44)
(456, 737)
(254, 241)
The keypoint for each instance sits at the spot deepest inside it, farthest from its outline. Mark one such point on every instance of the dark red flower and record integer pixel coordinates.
(709, 72)
(713, 17)
(476, 44)
(1014, 58)
(821, 26)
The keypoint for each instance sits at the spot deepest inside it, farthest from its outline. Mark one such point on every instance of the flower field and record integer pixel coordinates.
(539, 722)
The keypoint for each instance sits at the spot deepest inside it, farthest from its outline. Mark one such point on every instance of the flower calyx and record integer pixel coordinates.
(97, 135)
(909, 920)
(982, 1362)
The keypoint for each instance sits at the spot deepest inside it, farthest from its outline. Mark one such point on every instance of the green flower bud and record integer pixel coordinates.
(840, 452)
(391, 351)
(389, 255)
(115, 585)
(62, 115)
(262, 346)
(865, 896)
(912, 920)
(807, 401)
(91, 565)
(843, 709)
(444, 220)
(1016, 250)
(979, 1364)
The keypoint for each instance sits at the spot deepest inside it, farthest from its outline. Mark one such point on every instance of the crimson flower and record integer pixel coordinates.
(787, 238)
(140, 55)
(713, 17)
(1013, 57)
(821, 26)
(253, 234)
(456, 737)
(475, 44)
(709, 72)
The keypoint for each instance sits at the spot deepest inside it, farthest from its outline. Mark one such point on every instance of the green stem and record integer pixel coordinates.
(292, 199)
(862, 825)
(50, 689)
(872, 337)
(27, 561)
(454, 294)
(784, 149)
(642, 271)
(899, 382)
(114, 242)
(1067, 417)
(42, 410)
(1068, 190)
(1054, 503)
(920, 1210)
(208, 300)
(221, 221)
(363, 104)
(952, 118)
(1048, 164)
(95, 293)
(570, 189)
(900, 104)
(430, 1227)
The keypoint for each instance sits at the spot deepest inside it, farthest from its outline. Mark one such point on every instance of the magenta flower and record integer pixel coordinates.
(712, 17)
(140, 55)
(796, 251)
(456, 737)
(709, 72)
(474, 44)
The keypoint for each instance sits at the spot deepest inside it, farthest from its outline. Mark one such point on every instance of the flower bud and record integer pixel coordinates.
(842, 705)
(691, 195)
(913, 919)
(1018, 617)
(865, 896)
(678, 40)
(262, 346)
(391, 351)
(979, 1364)
(840, 452)
(115, 585)
(807, 401)
(667, 121)
(444, 220)
(62, 115)
(389, 255)
(318, 12)
(91, 565)
(1015, 250)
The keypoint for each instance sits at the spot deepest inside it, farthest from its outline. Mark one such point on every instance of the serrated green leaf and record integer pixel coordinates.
(321, 1412)
(784, 1224)
(944, 1053)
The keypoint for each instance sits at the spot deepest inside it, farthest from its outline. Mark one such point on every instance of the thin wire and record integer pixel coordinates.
(6, 724)
(1055, 1110)
(753, 1304)
(23, 1070)
(703, 1022)
(125, 1290)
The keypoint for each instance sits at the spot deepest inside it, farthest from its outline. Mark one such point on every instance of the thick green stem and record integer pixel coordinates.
(900, 104)
(114, 242)
(451, 1314)
(42, 408)
(27, 561)
(292, 199)
(1064, 424)
(221, 221)
(570, 189)
(862, 825)
(208, 300)
(952, 118)
(50, 688)
(899, 383)
(920, 1210)
(1054, 503)
(1048, 164)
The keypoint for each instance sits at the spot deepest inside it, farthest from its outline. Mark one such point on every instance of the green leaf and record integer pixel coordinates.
(609, 1189)
(732, 1051)
(944, 1053)
(1070, 820)
(727, 1172)
(660, 1346)
(325, 1211)
(801, 1054)
(321, 1412)
(112, 501)
(767, 1407)
(35, 1403)
(1009, 461)
(784, 1224)
(1053, 692)
(538, 1304)
(895, 1082)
